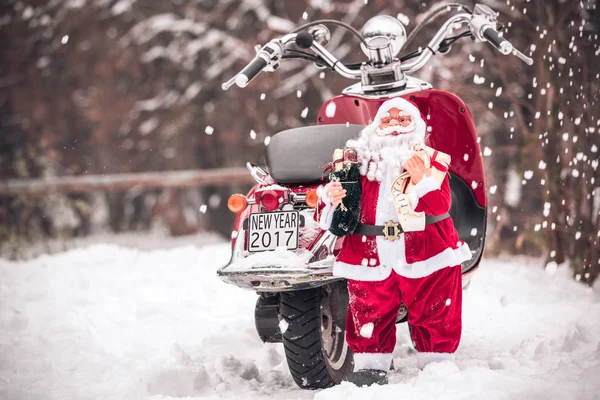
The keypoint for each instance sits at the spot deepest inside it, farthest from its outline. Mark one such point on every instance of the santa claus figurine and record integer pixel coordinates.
(400, 243)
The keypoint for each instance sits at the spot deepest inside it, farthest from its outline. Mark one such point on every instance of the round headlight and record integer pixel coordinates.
(383, 31)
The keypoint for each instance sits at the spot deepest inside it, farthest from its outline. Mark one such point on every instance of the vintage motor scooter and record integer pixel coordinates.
(278, 250)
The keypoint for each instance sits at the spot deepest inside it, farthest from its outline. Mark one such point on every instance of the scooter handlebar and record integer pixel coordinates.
(492, 36)
(250, 71)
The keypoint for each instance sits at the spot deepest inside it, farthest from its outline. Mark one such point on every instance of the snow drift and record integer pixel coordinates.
(108, 322)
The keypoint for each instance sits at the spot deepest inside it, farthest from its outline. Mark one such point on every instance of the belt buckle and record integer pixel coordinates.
(391, 231)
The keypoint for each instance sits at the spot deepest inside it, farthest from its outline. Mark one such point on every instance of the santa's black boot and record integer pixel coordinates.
(368, 377)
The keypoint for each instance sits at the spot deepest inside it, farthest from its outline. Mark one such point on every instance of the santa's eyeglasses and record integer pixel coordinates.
(399, 119)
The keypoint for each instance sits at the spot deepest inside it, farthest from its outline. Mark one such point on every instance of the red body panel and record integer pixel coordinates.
(450, 127)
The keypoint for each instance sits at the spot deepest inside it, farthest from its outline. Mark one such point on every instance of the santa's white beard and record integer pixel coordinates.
(377, 154)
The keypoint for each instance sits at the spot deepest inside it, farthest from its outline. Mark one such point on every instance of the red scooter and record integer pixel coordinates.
(277, 249)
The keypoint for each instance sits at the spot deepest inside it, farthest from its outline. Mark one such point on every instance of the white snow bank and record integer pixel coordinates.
(107, 322)
(149, 240)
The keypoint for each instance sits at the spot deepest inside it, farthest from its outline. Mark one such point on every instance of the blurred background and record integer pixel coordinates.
(104, 88)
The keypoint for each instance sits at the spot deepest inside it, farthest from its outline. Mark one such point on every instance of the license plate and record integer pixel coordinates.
(268, 231)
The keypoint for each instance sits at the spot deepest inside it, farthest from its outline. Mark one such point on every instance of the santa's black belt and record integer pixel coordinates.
(391, 230)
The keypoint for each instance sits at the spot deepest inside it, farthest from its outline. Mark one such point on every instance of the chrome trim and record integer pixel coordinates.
(320, 33)
(327, 240)
(434, 43)
(334, 63)
(522, 57)
(290, 37)
(412, 85)
(277, 281)
(298, 197)
(370, 72)
(255, 171)
(273, 278)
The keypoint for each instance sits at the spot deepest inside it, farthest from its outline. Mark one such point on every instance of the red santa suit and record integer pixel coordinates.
(421, 269)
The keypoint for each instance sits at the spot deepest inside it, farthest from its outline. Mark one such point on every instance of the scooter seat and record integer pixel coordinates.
(296, 155)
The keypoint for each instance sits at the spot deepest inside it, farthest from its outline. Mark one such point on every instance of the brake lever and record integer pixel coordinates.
(229, 83)
(522, 57)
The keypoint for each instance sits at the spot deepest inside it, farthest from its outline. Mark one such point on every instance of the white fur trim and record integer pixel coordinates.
(361, 272)
(380, 361)
(427, 358)
(426, 185)
(447, 258)
(326, 216)
(327, 212)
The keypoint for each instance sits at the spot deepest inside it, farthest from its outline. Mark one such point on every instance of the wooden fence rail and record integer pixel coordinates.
(122, 182)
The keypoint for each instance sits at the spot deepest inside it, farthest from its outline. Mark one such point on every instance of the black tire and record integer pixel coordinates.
(315, 339)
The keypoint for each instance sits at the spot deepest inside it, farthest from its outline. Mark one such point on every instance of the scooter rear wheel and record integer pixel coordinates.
(314, 341)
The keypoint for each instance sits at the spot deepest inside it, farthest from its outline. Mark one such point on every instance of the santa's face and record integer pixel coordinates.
(395, 122)
(385, 144)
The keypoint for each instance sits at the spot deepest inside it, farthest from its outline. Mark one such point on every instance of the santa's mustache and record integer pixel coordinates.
(395, 129)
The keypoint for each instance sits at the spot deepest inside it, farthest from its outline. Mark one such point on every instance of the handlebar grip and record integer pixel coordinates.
(492, 36)
(250, 71)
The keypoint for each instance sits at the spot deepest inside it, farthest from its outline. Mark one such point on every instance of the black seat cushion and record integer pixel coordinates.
(296, 155)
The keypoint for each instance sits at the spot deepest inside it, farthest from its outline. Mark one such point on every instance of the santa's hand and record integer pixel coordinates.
(416, 169)
(335, 193)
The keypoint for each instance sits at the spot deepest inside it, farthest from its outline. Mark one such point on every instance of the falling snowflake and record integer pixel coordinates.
(478, 80)
(546, 211)
(209, 130)
(366, 330)
(403, 18)
(330, 110)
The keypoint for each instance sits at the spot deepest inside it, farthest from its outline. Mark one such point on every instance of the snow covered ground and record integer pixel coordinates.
(109, 322)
